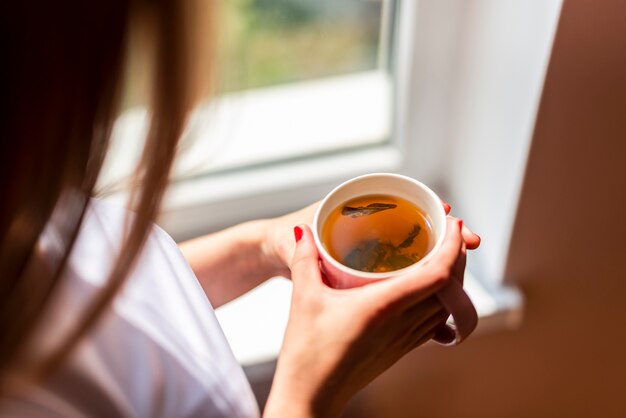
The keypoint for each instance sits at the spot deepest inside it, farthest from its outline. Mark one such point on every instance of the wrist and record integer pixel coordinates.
(230, 262)
(280, 406)
(300, 391)
(290, 404)
(275, 247)
(259, 248)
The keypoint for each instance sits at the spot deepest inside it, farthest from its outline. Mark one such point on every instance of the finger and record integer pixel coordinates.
(446, 206)
(420, 318)
(418, 284)
(472, 240)
(412, 316)
(429, 328)
(426, 330)
(421, 310)
(422, 340)
(305, 269)
(459, 267)
(440, 267)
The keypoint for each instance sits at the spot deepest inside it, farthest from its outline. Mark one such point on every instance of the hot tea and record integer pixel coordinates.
(377, 233)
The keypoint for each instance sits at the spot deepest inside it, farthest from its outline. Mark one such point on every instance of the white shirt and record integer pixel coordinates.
(159, 352)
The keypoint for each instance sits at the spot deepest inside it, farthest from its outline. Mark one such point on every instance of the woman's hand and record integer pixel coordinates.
(229, 263)
(337, 341)
(278, 246)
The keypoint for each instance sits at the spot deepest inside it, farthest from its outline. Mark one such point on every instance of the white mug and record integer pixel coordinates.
(452, 296)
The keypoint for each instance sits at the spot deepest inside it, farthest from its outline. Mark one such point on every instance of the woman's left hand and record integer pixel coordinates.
(278, 245)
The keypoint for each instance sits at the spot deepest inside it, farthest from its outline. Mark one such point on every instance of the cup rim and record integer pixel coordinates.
(383, 275)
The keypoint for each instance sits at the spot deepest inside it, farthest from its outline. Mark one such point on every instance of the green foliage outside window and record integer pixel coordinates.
(269, 42)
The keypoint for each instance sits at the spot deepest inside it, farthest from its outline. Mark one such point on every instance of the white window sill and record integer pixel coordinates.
(255, 323)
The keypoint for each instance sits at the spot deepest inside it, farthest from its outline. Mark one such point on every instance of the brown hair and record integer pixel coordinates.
(61, 87)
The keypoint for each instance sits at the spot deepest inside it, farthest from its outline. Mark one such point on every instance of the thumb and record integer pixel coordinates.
(305, 268)
(418, 284)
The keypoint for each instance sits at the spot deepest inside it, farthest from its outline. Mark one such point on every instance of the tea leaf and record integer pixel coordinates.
(411, 237)
(399, 261)
(365, 256)
(370, 209)
(375, 256)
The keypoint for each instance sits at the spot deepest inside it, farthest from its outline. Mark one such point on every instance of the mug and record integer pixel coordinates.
(452, 296)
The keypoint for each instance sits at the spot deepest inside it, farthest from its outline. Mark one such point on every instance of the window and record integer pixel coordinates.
(301, 83)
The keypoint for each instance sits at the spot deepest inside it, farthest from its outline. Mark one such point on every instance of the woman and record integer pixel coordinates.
(101, 314)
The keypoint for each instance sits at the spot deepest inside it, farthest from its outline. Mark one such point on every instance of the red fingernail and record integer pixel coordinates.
(297, 232)
(461, 224)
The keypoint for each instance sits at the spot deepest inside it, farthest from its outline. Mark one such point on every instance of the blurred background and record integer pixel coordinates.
(269, 42)
(514, 111)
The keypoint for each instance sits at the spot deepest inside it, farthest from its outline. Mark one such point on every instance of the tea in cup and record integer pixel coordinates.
(378, 226)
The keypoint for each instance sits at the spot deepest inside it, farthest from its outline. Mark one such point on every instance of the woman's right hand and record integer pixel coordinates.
(337, 341)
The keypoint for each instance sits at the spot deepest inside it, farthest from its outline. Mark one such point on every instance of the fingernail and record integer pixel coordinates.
(461, 224)
(297, 232)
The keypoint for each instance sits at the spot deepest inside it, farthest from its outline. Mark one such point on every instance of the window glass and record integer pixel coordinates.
(297, 79)
(269, 42)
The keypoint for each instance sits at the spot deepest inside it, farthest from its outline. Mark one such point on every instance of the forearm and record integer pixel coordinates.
(230, 262)
(296, 397)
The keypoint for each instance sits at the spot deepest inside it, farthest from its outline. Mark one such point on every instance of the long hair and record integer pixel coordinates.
(61, 85)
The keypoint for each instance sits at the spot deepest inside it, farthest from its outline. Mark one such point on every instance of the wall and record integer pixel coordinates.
(567, 254)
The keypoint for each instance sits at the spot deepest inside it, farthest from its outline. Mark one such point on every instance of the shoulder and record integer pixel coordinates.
(159, 350)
